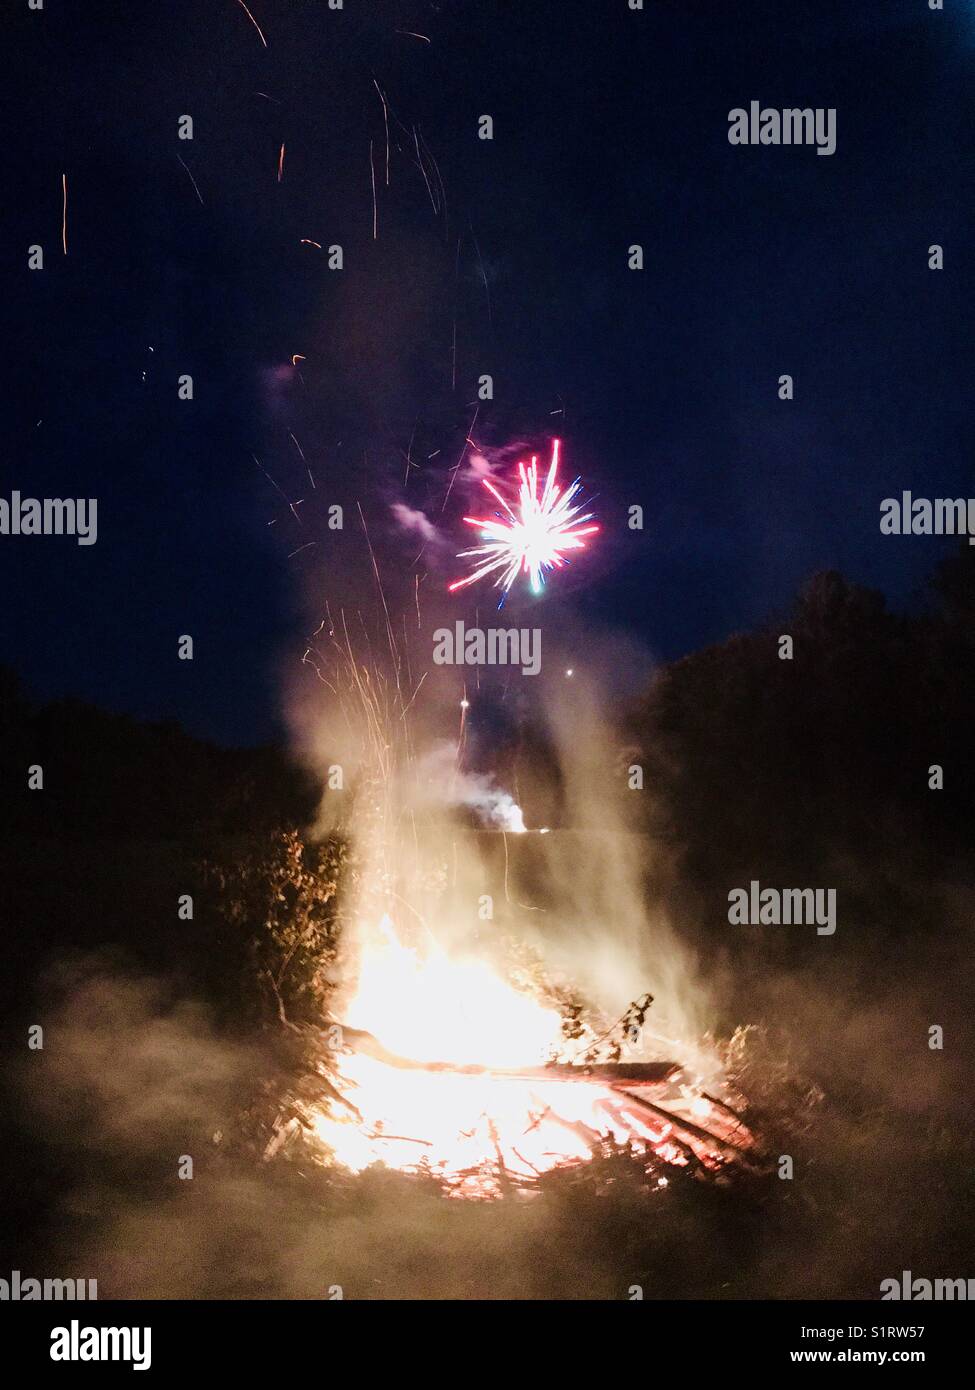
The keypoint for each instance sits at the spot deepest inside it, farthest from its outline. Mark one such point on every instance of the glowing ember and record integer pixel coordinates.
(532, 539)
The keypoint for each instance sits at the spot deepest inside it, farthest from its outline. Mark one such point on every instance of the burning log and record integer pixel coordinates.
(603, 1073)
(613, 1073)
(684, 1126)
(651, 1103)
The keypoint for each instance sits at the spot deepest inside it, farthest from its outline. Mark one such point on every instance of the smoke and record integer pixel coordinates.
(440, 781)
(134, 1078)
(606, 925)
(413, 521)
(130, 1060)
(463, 483)
(529, 753)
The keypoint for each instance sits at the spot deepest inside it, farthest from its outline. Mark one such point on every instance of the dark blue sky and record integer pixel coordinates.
(610, 128)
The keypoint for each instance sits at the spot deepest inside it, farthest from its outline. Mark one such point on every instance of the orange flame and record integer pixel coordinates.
(481, 1128)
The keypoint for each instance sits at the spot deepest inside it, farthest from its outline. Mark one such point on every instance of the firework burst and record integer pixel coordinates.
(533, 536)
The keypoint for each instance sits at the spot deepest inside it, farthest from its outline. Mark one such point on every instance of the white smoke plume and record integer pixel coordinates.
(439, 780)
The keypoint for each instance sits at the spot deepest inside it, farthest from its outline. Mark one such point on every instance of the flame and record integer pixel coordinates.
(478, 1129)
(432, 1006)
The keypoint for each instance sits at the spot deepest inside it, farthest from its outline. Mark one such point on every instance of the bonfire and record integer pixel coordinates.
(443, 1057)
(469, 1083)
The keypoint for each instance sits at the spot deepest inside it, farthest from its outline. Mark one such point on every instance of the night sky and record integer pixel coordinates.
(507, 257)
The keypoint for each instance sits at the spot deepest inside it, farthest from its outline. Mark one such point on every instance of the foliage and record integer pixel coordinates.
(279, 899)
(817, 768)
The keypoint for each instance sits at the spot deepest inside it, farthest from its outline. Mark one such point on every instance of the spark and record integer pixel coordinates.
(531, 537)
(64, 213)
(410, 35)
(303, 459)
(296, 358)
(386, 123)
(307, 241)
(375, 212)
(279, 488)
(281, 162)
(487, 291)
(409, 456)
(253, 21)
(468, 444)
(191, 179)
(423, 171)
(453, 373)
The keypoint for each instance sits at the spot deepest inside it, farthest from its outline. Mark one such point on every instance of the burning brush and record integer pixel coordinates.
(486, 1126)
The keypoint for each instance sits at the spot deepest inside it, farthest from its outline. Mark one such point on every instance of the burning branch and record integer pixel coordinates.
(644, 1073)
